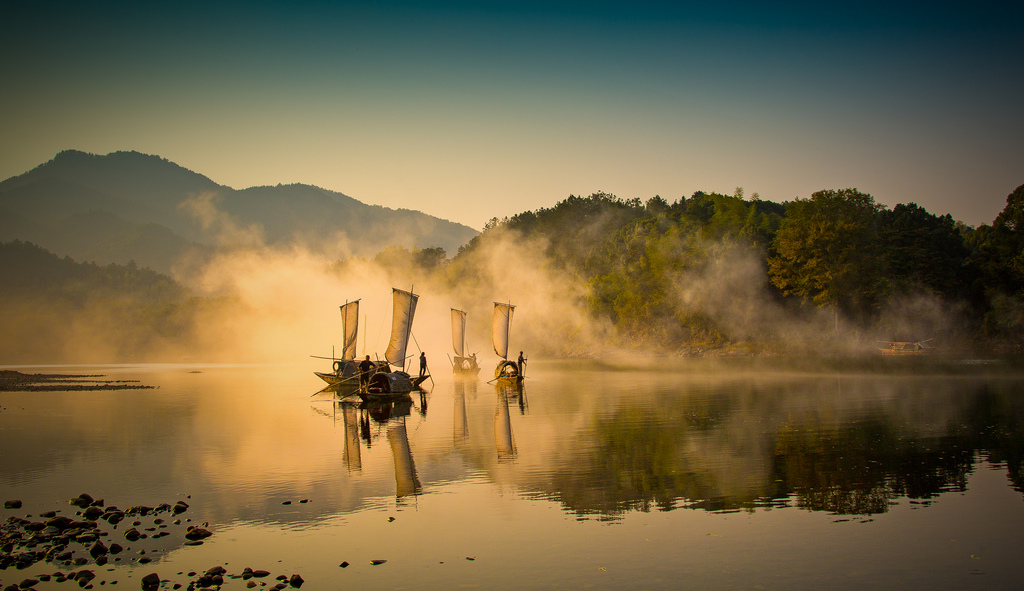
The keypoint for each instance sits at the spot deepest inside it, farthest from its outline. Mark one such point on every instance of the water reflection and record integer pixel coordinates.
(846, 446)
(601, 442)
(460, 424)
(389, 415)
(503, 430)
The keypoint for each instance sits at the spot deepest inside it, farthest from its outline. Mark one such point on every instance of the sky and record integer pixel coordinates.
(469, 110)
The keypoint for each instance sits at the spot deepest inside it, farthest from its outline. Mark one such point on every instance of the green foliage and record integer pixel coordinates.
(924, 252)
(827, 250)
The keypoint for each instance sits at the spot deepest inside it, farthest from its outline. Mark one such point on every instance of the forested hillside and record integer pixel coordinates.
(718, 269)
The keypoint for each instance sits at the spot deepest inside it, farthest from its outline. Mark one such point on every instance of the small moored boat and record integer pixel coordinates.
(462, 365)
(506, 371)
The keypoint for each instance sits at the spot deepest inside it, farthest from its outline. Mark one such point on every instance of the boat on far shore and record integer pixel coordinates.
(905, 347)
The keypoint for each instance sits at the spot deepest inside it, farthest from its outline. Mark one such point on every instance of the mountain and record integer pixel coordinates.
(131, 206)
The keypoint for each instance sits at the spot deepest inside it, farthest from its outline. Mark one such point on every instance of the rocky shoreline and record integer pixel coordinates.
(84, 549)
(15, 381)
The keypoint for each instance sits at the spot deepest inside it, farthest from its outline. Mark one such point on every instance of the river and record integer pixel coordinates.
(675, 475)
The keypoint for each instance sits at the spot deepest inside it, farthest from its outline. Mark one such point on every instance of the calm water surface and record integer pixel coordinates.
(590, 477)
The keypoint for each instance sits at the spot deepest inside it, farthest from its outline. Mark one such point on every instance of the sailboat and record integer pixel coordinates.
(345, 374)
(506, 371)
(385, 381)
(461, 364)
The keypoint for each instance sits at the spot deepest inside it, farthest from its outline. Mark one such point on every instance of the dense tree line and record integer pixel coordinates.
(837, 250)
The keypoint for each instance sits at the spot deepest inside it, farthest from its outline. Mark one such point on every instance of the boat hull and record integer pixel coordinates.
(507, 372)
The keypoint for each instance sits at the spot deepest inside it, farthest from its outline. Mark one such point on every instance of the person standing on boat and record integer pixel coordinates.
(365, 368)
(423, 363)
(521, 363)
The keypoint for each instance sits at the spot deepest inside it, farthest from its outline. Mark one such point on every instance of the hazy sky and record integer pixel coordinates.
(468, 110)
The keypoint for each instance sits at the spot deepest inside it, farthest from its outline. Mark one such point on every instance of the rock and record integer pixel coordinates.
(377, 562)
(296, 581)
(83, 500)
(197, 533)
(115, 548)
(259, 574)
(344, 564)
(217, 570)
(132, 535)
(98, 549)
(179, 507)
(93, 513)
(28, 583)
(15, 504)
(61, 522)
(151, 581)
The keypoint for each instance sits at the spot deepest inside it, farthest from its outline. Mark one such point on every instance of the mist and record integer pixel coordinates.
(261, 301)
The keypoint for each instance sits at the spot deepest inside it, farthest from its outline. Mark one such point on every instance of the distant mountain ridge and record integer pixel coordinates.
(129, 206)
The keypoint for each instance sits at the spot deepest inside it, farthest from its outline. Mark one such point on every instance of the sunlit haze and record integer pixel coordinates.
(468, 111)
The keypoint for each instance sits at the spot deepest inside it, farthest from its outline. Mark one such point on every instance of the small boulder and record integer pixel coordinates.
(197, 533)
(98, 549)
(151, 581)
(14, 504)
(296, 581)
(93, 513)
(82, 501)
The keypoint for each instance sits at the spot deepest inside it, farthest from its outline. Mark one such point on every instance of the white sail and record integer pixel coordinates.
(459, 332)
(401, 326)
(350, 324)
(500, 327)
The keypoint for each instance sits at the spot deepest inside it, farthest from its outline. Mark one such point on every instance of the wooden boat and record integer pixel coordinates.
(462, 365)
(506, 371)
(385, 381)
(344, 377)
(905, 347)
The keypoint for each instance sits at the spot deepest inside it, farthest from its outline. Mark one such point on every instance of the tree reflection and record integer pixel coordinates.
(847, 449)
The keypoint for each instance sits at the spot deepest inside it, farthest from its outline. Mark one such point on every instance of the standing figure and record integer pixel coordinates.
(365, 369)
(423, 363)
(521, 363)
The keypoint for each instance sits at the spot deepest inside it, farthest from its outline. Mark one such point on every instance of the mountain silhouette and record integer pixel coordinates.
(132, 206)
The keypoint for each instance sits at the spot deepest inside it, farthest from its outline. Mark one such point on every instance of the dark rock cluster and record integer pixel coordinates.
(91, 540)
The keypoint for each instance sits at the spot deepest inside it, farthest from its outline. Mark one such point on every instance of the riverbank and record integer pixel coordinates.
(15, 381)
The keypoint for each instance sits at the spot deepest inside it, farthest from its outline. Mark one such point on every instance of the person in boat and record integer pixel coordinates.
(365, 369)
(423, 363)
(521, 362)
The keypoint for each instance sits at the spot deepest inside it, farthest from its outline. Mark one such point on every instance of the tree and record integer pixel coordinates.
(826, 250)
(923, 251)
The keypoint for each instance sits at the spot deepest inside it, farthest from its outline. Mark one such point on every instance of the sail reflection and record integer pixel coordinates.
(460, 423)
(503, 430)
(391, 414)
(406, 481)
(350, 418)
